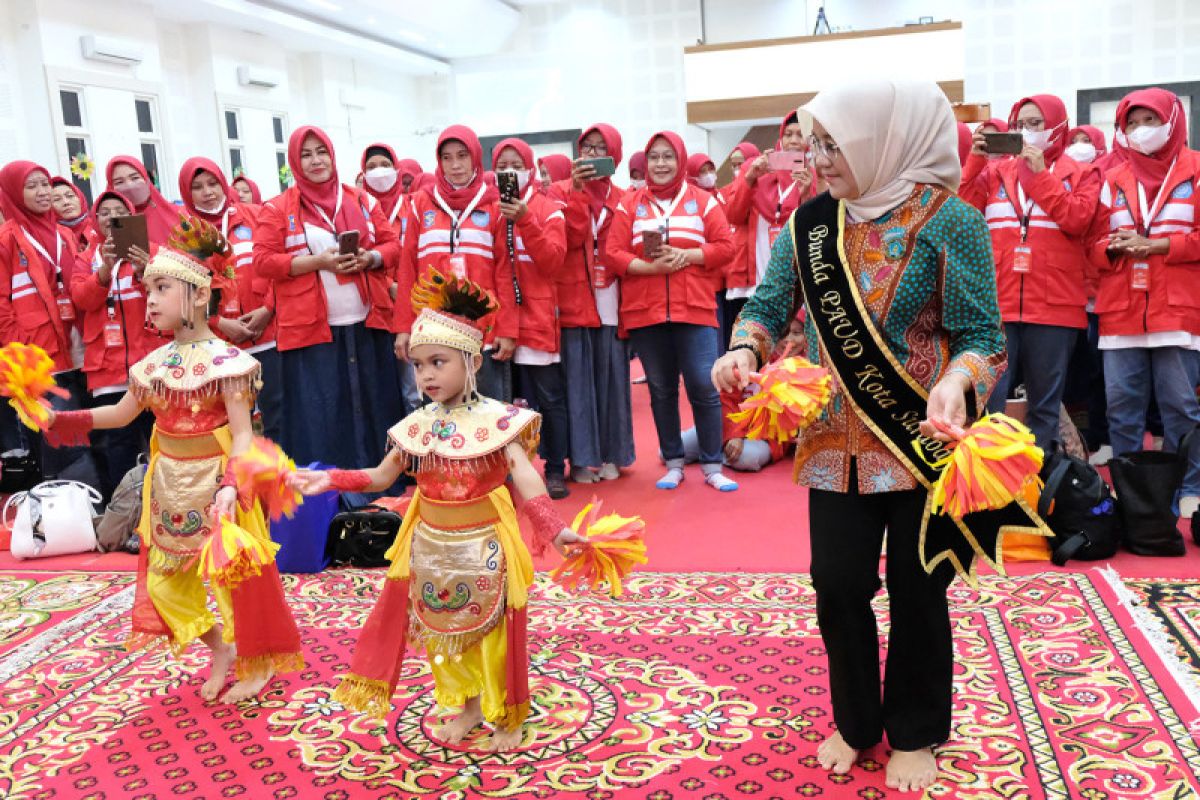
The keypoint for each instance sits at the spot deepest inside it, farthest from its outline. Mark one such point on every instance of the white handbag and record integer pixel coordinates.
(53, 518)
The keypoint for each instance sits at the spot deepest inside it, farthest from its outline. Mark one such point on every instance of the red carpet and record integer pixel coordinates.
(706, 686)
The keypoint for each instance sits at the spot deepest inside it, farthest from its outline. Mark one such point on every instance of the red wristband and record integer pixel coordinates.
(547, 524)
(70, 429)
(349, 480)
(228, 478)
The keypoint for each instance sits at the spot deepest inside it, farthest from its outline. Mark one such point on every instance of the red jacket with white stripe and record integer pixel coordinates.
(684, 296)
(1173, 301)
(740, 271)
(301, 312)
(1061, 203)
(540, 240)
(250, 290)
(29, 294)
(123, 302)
(481, 242)
(576, 279)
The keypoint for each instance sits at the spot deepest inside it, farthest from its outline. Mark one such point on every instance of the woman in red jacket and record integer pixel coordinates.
(1148, 253)
(247, 191)
(1039, 206)
(595, 357)
(554, 168)
(334, 312)
(128, 176)
(71, 208)
(381, 180)
(536, 242)
(112, 319)
(668, 305)
(37, 261)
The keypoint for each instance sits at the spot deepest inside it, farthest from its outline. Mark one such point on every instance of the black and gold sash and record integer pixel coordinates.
(885, 397)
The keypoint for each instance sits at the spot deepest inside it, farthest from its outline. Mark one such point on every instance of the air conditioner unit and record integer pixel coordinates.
(254, 76)
(113, 51)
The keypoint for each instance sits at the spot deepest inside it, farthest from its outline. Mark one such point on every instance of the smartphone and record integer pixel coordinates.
(348, 243)
(605, 167)
(1009, 144)
(129, 232)
(509, 186)
(652, 240)
(784, 160)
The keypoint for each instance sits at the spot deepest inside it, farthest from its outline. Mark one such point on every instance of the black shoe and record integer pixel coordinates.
(1196, 527)
(556, 487)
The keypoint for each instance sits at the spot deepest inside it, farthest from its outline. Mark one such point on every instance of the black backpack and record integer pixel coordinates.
(1080, 509)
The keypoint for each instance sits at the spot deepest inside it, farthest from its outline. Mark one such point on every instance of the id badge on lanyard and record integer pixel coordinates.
(1139, 276)
(1023, 259)
(66, 310)
(113, 337)
(229, 305)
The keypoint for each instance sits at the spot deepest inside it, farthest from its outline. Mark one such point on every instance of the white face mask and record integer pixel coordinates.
(1149, 140)
(707, 181)
(381, 179)
(1083, 152)
(523, 176)
(637, 184)
(137, 193)
(1038, 139)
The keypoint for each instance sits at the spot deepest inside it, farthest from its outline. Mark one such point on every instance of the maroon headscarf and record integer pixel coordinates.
(1054, 112)
(637, 162)
(597, 190)
(558, 166)
(191, 168)
(161, 215)
(392, 196)
(695, 163)
(667, 191)
(42, 227)
(324, 195)
(1151, 170)
(459, 199)
(409, 167)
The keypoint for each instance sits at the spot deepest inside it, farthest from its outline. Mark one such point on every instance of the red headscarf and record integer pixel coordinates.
(597, 190)
(411, 168)
(255, 193)
(459, 199)
(767, 187)
(82, 225)
(558, 166)
(324, 195)
(108, 194)
(426, 180)
(695, 163)
(667, 191)
(1094, 136)
(1000, 125)
(392, 196)
(161, 215)
(42, 227)
(191, 168)
(749, 150)
(1054, 112)
(1151, 170)
(637, 162)
(523, 150)
(964, 142)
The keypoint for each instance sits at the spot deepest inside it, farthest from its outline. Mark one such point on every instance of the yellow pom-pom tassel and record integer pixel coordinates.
(793, 393)
(613, 546)
(262, 473)
(26, 378)
(991, 464)
(233, 554)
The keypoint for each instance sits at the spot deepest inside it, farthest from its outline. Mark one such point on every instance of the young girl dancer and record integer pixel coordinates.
(201, 390)
(460, 571)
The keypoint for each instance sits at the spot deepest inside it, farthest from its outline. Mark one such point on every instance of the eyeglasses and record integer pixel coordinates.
(820, 149)
(665, 156)
(598, 149)
(1030, 124)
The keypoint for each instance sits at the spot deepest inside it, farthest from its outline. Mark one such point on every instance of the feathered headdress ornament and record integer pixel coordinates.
(451, 311)
(192, 242)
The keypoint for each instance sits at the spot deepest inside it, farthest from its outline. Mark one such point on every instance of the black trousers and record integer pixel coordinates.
(546, 390)
(847, 531)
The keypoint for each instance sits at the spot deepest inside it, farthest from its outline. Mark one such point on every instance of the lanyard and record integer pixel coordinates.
(455, 217)
(1151, 213)
(396, 208)
(664, 215)
(1025, 206)
(42, 252)
(782, 196)
(337, 209)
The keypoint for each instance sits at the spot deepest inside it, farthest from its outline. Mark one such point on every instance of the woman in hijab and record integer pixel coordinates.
(667, 305)
(410, 171)
(1039, 206)
(37, 261)
(1149, 298)
(743, 152)
(71, 208)
(247, 190)
(741, 267)
(554, 168)
(381, 180)
(1087, 144)
(896, 249)
(128, 176)
(637, 170)
(341, 390)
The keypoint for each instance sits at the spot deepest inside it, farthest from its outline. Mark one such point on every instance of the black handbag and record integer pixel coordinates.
(1146, 482)
(19, 471)
(362, 536)
(1079, 508)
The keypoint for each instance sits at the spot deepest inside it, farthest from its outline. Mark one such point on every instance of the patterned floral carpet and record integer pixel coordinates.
(693, 686)
(1174, 606)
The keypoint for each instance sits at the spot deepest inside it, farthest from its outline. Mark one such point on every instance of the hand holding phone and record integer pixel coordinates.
(348, 243)
(784, 160)
(604, 167)
(1008, 144)
(508, 186)
(652, 241)
(129, 232)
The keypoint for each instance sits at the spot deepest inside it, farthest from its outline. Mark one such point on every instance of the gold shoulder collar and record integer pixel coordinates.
(188, 371)
(467, 431)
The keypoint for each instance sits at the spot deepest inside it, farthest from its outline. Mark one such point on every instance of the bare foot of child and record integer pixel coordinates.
(222, 660)
(247, 688)
(468, 720)
(911, 770)
(835, 755)
(505, 739)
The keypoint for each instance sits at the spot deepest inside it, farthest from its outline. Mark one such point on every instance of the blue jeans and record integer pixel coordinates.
(1172, 373)
(671, 349)
(755, 454)
(1039, 355)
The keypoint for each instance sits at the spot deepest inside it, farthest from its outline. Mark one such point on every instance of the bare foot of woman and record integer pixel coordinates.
(911, 770)
(247, 688)
(222, 659)
(468, 720)
(835, 755)
(505, 739)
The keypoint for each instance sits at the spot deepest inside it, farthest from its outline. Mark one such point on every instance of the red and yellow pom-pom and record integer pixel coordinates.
(794, 393)
(614, 546)
(990, 465)
(26, 377)
(233, 554)
(261, 473)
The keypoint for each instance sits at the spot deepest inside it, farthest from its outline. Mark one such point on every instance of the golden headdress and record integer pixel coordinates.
(192, 243)
(454, 312)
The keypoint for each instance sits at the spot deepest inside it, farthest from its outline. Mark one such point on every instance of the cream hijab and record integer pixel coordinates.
(894, 134)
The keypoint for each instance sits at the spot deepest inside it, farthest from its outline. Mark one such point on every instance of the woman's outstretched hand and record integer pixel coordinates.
(565, 537)
(732, 371)
(946, 412)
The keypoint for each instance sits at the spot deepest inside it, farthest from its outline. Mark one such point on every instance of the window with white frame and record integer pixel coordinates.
(235, 150)
(279, 128)
(78, 139)
(150, 136)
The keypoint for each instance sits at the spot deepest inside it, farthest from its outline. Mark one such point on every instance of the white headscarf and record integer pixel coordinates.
(894, 134)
